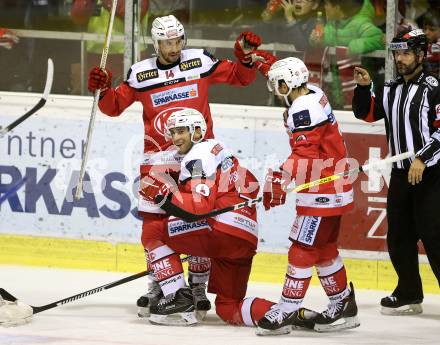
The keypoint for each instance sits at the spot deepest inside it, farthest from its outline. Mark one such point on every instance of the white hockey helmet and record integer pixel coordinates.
(187, 117)
(291, 70)
(166, 28)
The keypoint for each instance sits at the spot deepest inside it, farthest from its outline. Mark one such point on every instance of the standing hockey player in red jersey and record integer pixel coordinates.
(318, 150)
(176, 78)
(210, 177)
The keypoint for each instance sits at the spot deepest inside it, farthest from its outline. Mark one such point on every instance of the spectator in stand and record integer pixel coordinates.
(431, 27)
(301, 17)
(94, 15)
(351, 31)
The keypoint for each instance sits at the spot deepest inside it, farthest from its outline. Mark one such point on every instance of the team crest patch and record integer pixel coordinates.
(301, 118)
(431, 81)
(147, 75)
(437, 110)
(190, 64)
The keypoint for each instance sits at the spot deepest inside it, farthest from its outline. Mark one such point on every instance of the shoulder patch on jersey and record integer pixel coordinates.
(437, 109)
(216, 149)
(211, 56)
(146, 75)
(301, 118)
(190, 64)
(227, 164)
(323, 101)
(195, 168)
(431, 80)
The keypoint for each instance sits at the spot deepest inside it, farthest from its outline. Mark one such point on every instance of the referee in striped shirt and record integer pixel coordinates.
(410, 106)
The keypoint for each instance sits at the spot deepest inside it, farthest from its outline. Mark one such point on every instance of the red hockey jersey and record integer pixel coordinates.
(210, 178)
(163, 89)
(318, 151)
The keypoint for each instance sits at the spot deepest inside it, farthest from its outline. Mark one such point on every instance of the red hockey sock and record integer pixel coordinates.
(167, 269)
(333, 279)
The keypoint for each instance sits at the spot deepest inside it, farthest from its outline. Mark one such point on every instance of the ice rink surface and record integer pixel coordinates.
(109, 317)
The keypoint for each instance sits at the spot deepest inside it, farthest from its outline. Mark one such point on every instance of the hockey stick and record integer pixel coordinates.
(35, 310)
(176, 211)
(105, 49)
(38, 106)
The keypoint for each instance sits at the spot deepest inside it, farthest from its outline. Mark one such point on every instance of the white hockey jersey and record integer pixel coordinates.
(318, 150)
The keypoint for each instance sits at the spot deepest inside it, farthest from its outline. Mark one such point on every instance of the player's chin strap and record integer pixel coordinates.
(174, 210)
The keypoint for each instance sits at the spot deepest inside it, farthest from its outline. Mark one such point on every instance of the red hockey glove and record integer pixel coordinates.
(99, 79)
(273, 192)
(7, 38)
(246, 44)
(153, 186)
(263, 61)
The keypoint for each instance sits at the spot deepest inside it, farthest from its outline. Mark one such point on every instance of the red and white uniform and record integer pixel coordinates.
(163, 89)
(210, 178)
(318, 151)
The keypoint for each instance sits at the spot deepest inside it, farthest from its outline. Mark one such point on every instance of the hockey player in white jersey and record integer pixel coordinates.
(210, 177)
(318, 151)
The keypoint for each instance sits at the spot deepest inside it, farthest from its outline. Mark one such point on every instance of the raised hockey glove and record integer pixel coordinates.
(263, 60)
(99, 79)
(274, 189)
(7, 38)
(154, 186)
(245, 45)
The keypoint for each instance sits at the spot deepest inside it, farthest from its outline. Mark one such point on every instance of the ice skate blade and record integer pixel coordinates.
(409, 309)
(18, 322)
(338, 325)
(176, 319)
(201, 314)
(143, 312)
(268, 332)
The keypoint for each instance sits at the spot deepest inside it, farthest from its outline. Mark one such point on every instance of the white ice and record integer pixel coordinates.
(109, 317)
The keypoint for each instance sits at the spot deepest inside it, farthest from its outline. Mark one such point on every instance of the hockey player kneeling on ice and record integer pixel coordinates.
(318, 151)
(210, 177)
(14, 313)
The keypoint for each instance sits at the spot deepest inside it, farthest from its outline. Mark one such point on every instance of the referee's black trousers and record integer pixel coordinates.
(413, 214)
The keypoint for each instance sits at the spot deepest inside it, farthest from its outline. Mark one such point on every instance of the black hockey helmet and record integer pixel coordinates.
(415, 40)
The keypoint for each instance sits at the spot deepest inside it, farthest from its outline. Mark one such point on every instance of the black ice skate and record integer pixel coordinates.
(152, 297)
(176, 309)
(201, 302)
(339, 315)
(276, 321)
(304, 319)
(391, 305)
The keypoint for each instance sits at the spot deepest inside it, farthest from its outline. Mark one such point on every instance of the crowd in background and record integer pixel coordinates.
(332, 36)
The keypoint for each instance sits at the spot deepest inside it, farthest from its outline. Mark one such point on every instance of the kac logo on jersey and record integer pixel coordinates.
(190, 64)
(161, 119)
(146, 75)
(175, 94)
